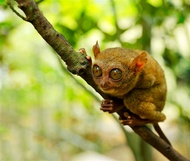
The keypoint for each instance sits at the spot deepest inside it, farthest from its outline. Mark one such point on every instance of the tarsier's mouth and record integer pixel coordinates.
(107, 89)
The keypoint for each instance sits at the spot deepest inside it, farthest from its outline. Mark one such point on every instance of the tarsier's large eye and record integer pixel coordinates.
(115, 74)
(97, 71)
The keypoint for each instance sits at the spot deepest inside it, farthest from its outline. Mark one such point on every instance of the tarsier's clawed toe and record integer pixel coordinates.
(128, 120)
(134, 120)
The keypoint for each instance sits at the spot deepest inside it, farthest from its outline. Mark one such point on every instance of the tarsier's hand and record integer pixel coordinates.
(111, 106)
(107, 106)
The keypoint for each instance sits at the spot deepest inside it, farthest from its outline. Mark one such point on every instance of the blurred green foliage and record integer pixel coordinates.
(46, 115)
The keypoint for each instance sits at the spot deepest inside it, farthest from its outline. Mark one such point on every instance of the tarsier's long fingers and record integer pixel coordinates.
(111, 106)
(107, 106)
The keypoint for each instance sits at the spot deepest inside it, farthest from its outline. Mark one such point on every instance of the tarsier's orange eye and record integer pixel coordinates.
(115, 74)
(97, 71)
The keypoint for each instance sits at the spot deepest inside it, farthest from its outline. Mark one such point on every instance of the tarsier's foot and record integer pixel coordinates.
(134, 120)
(111, 106)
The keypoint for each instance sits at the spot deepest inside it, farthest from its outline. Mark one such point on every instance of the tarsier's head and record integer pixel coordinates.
(116, 70)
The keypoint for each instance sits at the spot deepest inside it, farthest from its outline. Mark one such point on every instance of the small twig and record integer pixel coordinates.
(16, 12)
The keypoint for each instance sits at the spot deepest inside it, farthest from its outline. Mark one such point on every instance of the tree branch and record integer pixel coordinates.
(147, 135)
(77, 63)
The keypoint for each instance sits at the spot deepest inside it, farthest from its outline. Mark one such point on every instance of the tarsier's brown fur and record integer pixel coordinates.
(142, 85)
(134, 77)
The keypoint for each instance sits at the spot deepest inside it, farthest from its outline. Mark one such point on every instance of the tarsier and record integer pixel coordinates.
(135, 78)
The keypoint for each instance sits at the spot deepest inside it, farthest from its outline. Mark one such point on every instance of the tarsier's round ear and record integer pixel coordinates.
(96, 49)
(139, 62)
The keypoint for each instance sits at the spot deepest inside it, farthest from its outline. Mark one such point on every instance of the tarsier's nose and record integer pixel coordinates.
(104, 84)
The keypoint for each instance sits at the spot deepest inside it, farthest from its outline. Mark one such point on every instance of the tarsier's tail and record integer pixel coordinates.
(160, 133)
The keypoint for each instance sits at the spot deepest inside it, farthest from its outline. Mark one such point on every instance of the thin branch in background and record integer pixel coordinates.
(118, 32)
(39, 1)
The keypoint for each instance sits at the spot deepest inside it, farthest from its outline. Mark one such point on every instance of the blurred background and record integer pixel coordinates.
(47, 115)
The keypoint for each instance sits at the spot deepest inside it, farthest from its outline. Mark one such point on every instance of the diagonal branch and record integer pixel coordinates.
(78, 63)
